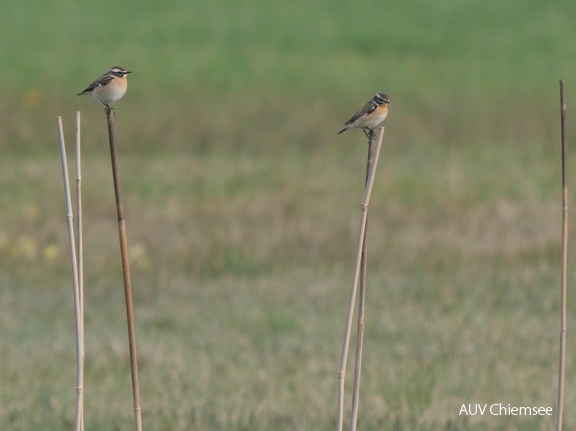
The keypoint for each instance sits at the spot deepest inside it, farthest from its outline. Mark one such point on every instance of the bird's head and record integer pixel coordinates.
(119, 71)
(381, 98)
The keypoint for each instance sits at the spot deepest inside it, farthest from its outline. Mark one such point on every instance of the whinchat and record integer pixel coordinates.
(109, 87)
(370, 116)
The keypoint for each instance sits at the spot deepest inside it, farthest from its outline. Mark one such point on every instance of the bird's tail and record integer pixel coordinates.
(346, 127)
(87, 92)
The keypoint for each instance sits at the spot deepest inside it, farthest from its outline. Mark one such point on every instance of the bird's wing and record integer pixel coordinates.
(367, 109)
(103, 80)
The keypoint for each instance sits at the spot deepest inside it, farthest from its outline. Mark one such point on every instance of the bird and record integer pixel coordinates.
(109, 87)
(370, 116)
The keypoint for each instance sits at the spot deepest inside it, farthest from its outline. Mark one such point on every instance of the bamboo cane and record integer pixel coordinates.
(564, 264)
(80, 250)
(74, 266)
(361, 298)
(125, 272)
(360, 261)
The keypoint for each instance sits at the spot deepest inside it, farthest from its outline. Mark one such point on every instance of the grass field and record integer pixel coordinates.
(243, 207)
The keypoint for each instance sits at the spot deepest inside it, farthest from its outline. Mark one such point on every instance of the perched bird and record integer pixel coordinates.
(370, 116)
(109, 87)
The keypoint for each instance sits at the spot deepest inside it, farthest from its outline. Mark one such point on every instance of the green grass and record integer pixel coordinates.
(242, 74)
(243, 206)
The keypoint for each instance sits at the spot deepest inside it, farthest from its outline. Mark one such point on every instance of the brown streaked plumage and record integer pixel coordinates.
(370, 116)
(109, 87)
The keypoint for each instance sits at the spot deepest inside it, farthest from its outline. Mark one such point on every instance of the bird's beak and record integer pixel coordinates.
(128, 71)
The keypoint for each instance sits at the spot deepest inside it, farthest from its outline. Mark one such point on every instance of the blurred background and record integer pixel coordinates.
(243, 208)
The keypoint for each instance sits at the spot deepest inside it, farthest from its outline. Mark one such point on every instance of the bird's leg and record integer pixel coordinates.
(109, 110)
(369, 133)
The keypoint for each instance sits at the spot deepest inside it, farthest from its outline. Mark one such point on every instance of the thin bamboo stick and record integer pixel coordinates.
(74, 267)
(354, 292)
(80, 255)
(362, 294)
(126, 272)
(564, 264)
